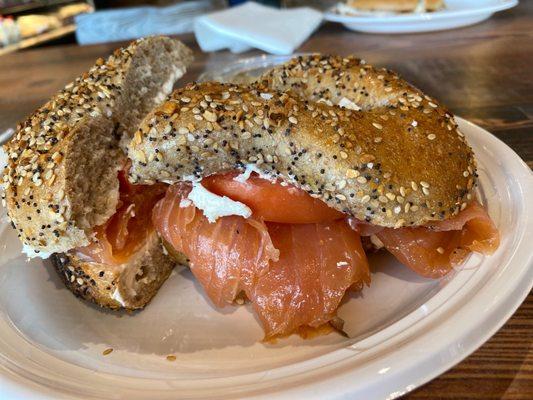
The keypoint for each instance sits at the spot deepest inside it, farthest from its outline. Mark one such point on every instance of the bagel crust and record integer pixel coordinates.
(399, 162)
(61, 177)
(129, 286)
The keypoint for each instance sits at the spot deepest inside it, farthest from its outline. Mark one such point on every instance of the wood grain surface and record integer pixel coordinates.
(483, 73)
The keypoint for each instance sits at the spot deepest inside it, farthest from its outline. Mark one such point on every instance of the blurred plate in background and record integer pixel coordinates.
(457, 13)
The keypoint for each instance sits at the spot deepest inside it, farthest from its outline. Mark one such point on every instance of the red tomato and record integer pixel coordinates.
(272, 201)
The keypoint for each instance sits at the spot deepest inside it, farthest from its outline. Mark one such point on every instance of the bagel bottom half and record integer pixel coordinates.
(127, 286)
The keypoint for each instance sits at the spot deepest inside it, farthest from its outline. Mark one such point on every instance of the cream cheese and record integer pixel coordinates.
(346, 103)
(248, 169)
(167, 86)
(214, 206)
(118, 297)
(32, 253)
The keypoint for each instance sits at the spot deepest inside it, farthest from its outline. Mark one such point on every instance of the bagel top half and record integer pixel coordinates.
(394, 159)
(61, 176)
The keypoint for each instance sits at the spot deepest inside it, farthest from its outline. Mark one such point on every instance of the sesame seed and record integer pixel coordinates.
(425, 190)
(293, 120)
(137, 138)
(431, 136)
(383, 199)
(432, 104)
(210, 116)
(377, 126)
(402, 191)
(440, 250)
(341, 184)
(361, 179)
(352, 173)
(414, 186)
(424, 184)
(365, 198)
(465, 174)
(377, 139)
(340, 197)
(79, 281)
(390, 196)
(399, 223)
(344, 155)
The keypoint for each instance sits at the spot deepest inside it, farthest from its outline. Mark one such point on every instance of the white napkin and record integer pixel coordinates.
(254, 25)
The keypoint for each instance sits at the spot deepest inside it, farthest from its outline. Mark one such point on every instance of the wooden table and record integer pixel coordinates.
(483, 73)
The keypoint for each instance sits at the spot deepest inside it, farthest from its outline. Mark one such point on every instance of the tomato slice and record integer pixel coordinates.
(272, 201)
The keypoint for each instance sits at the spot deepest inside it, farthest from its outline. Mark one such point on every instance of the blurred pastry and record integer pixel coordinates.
(396, 5)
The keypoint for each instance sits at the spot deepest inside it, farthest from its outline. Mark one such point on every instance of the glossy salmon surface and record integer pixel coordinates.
(295, 275)
(433, 250)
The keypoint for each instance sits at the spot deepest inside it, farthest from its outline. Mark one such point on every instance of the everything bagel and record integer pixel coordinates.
(290, 127)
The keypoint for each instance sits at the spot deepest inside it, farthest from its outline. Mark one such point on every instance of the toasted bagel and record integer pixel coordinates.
(129, 286)
(61, 177)
(350, 159)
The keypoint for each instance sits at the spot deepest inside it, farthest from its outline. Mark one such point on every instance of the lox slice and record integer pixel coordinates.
(126, 231)
(318, 263)
(433, 250)
(294, 275)
(226, 256)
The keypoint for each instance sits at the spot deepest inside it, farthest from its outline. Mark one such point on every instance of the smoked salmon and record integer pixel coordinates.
(433, 250)
(295, 275)
(318, 263)
(126, 231)
(226, 256)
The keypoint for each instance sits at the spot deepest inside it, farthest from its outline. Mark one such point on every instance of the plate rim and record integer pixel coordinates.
(505, 308)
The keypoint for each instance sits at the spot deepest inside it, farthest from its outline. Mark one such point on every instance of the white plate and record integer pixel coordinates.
(404, 330)
(456, 14)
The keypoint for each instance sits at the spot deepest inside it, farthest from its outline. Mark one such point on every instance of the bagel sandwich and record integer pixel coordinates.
(274, 187)
(64, 185)
(272, 192)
